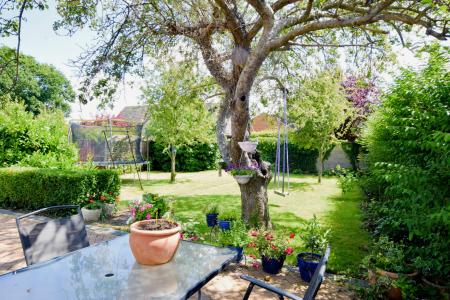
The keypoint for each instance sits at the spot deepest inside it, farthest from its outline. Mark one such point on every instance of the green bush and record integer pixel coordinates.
(300, 160)
(408, 161)
(30, 189)
(193, 158)
(39, 141)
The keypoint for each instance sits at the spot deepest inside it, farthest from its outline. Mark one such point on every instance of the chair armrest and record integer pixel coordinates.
(271, 288)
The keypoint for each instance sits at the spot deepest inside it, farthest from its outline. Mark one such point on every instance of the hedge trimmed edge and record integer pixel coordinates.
(30, 189)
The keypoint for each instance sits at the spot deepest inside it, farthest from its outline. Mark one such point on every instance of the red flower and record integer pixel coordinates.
(91, 201)
(254, 233)
(292, 235)
(274, 247)
(251, 245)
(268, 237)
(102, 198)
(194, 238)
(289, 251)
(255, 265)
(181, 236)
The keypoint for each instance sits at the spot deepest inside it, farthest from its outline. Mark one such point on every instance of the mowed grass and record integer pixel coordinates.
(193, 191)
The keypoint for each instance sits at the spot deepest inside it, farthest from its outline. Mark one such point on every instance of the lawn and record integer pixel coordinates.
(341, 213)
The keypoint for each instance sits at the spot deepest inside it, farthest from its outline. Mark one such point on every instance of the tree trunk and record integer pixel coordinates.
(321, 155)
(172, 169)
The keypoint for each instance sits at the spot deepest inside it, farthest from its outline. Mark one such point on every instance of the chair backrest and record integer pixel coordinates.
(317, 278)
(42, 241)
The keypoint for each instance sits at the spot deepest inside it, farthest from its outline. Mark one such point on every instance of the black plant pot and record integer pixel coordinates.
(307, 265)
(211, 220)
(272, 265)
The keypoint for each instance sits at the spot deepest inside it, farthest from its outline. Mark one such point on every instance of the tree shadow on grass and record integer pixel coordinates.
(348, 238)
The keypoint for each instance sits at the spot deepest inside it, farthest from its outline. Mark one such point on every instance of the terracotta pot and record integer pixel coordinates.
(153, 247)
(91, 215)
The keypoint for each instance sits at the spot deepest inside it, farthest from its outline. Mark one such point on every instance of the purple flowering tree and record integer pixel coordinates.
(364, 96)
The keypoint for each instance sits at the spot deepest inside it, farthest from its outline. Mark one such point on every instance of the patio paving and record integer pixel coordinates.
(227, 285)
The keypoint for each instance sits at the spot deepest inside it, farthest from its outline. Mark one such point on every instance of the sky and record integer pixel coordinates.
(40, 41)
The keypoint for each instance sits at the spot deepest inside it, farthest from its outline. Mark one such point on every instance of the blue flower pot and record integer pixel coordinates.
(240, 252)
(225, 225)
(211, 220)
(272, 265)
(307, 265)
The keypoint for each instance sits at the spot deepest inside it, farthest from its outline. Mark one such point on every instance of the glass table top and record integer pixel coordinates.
(109, 271)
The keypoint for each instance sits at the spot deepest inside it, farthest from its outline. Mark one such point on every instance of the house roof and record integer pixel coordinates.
(136, 114)
(263, 122)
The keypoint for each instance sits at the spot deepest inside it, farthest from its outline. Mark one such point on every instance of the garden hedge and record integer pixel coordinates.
(30, 189)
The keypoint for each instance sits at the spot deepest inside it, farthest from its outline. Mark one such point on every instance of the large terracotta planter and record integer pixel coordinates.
(153, 247)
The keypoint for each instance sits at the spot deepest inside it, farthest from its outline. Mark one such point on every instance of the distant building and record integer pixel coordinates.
(263, 122)
(133, 114)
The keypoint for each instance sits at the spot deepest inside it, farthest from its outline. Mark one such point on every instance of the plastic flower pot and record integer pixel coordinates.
(153, 247)
(307, 264)
(91, 215)
(248, 146)
(224, 224)
(108, 209)
(242, 179)
(240, 252)
(211, 220)
(272, 265)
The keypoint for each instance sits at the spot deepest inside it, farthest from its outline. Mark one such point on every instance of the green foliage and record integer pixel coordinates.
(352, 149)
(409, 165)
(211, 208)
(314, 236)
(271, 244)
(347, 180)
(160, 205)
(300, 160)
(237, 236)
(39, 141)
(317, 109)
(190, 158)
(228, 216)
(30, 188)
(40, 86)
(386, 255)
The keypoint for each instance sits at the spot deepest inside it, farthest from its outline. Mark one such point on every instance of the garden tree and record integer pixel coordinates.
(235, 39)
(39, 86)
(178, 116)
(317, 109)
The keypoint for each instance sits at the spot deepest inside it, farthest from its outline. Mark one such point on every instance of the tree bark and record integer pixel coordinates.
(172, 161)
(321, 155)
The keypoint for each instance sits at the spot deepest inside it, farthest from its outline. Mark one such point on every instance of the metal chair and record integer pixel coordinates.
(310, 293)
(46, 240)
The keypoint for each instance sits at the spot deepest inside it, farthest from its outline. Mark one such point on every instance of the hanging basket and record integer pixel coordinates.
(243, 179)
(248, 146)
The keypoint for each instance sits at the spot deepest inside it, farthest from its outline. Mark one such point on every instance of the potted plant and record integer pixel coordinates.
(91, 210)
(226, 220)
(242, 174)
(387, 259)
(153, 241)
(211, 211)
(160, 205)
(272, 249)
(248, 146)
(236, 238)
(315, 240)
(109, 203)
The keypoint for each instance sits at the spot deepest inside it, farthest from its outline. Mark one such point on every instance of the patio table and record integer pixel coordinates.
(108, 270)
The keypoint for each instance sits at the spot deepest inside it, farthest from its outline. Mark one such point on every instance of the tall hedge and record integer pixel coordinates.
(192, 158)
(300, 160)
(29, 188)
(409, 166)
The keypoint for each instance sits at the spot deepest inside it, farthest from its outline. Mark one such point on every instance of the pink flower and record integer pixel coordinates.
(181, 236)
(133, 210)
(268, 237)
(194, 238)
(254, 233)
(255, 265)
(148, 216)
(289, 251)
(251, 245)
(142, 209)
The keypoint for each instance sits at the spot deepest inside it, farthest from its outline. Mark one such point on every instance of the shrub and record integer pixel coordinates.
(30, 189)
(192, 158)
(39, 141)
(408, 166)
(300, 160)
